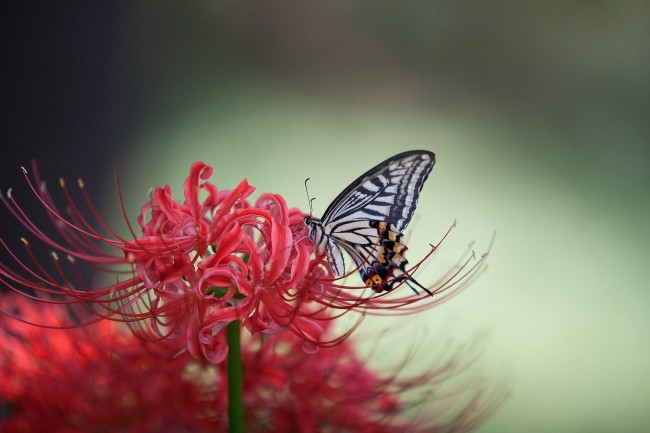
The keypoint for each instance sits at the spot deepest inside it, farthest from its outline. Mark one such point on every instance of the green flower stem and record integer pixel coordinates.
(235, 401)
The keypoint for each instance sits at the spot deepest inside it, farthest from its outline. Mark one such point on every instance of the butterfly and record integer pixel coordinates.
(366, 221)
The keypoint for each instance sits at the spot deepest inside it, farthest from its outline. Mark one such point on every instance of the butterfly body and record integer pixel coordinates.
(366, 220)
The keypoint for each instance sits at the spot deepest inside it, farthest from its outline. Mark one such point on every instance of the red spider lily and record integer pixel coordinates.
(200, 264)
(102, 378)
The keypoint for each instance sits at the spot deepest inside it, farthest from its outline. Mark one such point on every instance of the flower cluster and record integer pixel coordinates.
(198, 265)
(102, 378)
(206, 263)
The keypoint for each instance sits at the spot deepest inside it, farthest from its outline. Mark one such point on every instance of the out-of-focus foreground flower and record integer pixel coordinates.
(198, 265)
(102, 378)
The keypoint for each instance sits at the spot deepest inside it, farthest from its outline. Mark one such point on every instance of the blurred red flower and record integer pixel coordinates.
(102, 378)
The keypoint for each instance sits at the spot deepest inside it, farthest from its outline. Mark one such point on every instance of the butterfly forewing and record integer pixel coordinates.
(387, 192)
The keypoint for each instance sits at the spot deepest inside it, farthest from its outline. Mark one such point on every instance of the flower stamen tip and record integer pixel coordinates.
(54, 255)
(81, 183)
(24, 241)
(61, 182)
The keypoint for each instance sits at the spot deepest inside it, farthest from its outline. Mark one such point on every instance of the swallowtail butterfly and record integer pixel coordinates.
(366, 220)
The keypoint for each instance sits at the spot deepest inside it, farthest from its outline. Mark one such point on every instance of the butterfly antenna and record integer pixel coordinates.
(310, 200)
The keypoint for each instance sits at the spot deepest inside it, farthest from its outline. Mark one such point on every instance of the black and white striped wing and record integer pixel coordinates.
(388, 192)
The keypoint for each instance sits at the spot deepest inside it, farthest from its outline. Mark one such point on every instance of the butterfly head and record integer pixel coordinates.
(313, 226)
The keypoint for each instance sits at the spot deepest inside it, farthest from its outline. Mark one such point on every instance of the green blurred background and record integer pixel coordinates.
(538, 113)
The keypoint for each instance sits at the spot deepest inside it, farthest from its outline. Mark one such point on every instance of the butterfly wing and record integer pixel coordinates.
(379, 204)
(388, 192)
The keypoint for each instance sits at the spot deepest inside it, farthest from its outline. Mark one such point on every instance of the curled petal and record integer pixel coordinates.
(277, 205)
(299, 266)
(221, 277)
(207, 341)
(255, 262)
(281, 250)
(227, 243)
(240, 193)
(199, 171)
